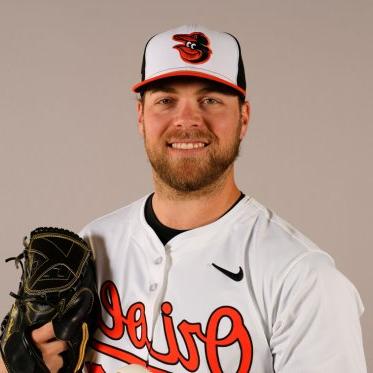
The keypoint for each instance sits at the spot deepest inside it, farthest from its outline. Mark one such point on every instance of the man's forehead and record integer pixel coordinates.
(177, 84)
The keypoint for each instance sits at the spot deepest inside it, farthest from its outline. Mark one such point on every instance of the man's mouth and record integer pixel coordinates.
(187, 145)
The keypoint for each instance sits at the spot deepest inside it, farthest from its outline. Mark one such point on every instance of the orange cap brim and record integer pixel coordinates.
(137, 87)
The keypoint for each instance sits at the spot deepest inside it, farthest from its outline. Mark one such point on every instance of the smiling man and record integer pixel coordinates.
(192, 130)
(198, 276)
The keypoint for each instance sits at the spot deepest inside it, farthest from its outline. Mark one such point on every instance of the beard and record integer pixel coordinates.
(190, 173)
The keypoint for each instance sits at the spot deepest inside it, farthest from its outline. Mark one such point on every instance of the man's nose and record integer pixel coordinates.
(188, 114)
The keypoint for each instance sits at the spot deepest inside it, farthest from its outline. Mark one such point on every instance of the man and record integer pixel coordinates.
(198, 276)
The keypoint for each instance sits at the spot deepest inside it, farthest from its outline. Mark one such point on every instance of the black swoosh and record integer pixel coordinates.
(234, 276)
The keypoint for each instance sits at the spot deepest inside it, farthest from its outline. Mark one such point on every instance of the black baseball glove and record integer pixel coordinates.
(58, 284)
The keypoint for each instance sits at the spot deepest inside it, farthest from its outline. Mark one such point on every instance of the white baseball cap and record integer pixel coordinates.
(193, 50)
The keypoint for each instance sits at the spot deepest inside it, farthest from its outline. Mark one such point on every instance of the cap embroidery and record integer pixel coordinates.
(194, 47)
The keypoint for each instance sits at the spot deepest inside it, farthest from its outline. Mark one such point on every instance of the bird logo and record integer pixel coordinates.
(194, 47)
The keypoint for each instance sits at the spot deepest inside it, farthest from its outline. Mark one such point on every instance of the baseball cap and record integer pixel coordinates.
(196, 51)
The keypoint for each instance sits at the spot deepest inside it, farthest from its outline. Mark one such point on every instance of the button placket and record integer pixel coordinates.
(158, 260)
(157, 277)
(153, 286)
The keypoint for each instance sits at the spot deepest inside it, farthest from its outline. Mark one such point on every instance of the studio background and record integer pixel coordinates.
(69, 148)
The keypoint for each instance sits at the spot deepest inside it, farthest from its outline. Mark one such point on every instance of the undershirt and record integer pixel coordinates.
(163, 232)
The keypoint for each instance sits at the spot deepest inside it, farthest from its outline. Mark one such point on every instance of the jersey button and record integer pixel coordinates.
(153, 287)
(158, 260)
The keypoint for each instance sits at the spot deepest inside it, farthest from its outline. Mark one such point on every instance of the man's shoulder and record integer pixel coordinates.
(119, 217)
(278, 245)
(282, 259)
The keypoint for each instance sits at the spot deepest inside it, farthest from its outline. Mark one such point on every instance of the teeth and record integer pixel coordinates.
(187, 145)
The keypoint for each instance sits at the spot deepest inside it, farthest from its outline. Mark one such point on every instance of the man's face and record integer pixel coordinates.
(192, 132)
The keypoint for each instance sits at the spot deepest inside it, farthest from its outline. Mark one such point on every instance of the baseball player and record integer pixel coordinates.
(199, 276)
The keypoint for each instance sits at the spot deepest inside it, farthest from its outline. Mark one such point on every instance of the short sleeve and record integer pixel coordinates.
(317, 324)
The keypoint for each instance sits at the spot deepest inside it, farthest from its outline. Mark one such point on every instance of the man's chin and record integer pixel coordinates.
(181, 183)
(186, 179)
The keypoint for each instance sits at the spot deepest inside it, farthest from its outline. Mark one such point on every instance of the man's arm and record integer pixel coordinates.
(317, 324)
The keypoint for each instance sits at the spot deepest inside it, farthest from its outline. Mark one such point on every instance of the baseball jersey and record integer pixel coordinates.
(245, 293)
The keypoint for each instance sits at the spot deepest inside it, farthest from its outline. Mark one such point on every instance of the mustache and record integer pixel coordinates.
(190, 134)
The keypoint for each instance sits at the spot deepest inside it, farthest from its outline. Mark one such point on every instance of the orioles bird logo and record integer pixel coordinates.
(194, 47)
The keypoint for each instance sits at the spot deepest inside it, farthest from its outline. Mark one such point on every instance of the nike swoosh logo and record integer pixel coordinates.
(234, 276)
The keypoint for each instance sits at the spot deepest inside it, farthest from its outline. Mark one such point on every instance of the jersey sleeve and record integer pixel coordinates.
(316, 327)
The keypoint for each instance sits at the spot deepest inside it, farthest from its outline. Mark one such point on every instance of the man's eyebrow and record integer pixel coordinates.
(209, 89)
(213, 89)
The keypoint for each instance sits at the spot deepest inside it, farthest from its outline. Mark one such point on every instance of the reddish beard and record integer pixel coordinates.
(194, 172)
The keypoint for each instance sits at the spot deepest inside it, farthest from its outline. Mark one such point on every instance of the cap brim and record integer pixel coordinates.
(139, 86)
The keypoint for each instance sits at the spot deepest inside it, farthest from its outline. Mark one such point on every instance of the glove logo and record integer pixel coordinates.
(55, 264)
(59, 272)
(194, 47)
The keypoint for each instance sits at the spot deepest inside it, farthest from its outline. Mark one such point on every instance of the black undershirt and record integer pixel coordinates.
(165, 233)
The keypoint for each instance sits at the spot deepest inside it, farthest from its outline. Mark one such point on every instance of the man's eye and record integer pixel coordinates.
(209, 101)
(164, 101)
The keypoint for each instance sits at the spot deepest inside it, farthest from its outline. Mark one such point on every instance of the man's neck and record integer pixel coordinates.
(190, 210)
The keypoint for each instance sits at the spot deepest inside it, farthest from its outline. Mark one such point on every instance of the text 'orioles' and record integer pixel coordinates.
(134, 322)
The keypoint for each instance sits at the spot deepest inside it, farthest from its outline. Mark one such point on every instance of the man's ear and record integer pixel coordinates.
(140, 117)
(245, 116)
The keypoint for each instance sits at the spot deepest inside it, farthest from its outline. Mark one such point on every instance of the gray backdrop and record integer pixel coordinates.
(69, 149)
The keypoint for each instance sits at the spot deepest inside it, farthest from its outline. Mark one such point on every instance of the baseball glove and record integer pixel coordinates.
(58, 284)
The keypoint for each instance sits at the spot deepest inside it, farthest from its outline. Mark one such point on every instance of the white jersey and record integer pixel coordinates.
(246, 293)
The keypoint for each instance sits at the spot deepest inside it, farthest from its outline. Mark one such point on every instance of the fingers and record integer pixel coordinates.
(50, 348)
(2, 366)
(43, 334)
(55, 364)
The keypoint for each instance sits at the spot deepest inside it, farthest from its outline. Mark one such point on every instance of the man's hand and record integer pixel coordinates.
(50, 347)
(61, 295)
(2, 366)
